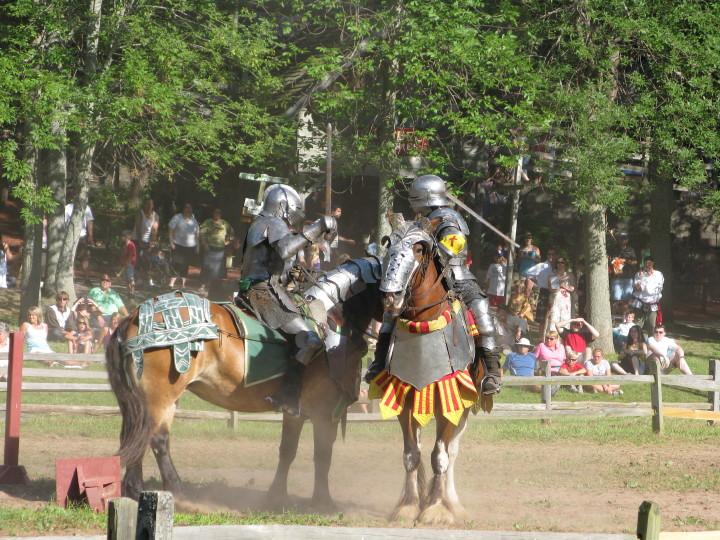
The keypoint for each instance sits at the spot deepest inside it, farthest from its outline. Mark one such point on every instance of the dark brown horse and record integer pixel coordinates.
(414, 289)
(216, 374)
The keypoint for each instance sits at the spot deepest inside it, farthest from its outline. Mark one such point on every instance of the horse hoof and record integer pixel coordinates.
(438, 514)
(407, 512)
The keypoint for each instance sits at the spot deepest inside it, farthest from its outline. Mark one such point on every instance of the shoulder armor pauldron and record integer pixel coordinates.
(267, 227)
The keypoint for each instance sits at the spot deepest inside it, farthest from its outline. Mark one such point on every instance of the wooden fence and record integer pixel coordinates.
(546, 409)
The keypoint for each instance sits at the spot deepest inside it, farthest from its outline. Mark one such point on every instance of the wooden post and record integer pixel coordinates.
(648, 526)
(232, 420)
(546, 390)
(122, 519)
(714, 397)
(654, 369)
(155, 515)
(328, 171)
(10, 471)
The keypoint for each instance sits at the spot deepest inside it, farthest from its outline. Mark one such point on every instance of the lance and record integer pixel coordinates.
(481, 219)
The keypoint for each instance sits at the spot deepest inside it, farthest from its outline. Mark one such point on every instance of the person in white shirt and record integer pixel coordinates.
(144, 236)
(647, 292)
(540, 273)
(667, 351)
(495, 279)
(184, 232)
(86, 234)
(599, 367)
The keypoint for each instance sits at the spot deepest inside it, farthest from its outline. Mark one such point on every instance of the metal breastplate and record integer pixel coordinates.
(451, 234)
(260, 260)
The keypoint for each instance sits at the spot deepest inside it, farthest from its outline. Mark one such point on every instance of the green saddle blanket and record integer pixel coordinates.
(266, 351)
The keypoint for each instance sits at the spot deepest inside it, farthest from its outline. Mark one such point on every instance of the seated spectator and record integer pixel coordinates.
(508, 328)
(520, 305)
(106, 299)
(572, 368)
(577, 337)
(599, 367)
(80, 341)
(4, 350)
(106, 332)
(552, 351)
(632, 355)
(621, 332)
(36, 332)
(522, 364)
(667, 350)
(60, 318)
(85, 307)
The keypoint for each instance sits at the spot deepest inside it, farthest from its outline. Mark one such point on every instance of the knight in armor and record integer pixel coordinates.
(270, 250)
(427, 197)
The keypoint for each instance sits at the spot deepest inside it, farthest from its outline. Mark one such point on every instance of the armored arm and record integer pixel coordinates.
(326, 226)
(290, 244)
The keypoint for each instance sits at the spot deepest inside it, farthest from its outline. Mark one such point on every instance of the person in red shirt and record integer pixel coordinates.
(573, 368)
(577, 337)
(128, 258)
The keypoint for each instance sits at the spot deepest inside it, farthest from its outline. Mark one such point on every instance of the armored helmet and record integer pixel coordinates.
(284, 202)
(426, 192)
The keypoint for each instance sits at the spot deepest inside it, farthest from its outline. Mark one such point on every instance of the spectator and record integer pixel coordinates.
(599, 367)
(86, 307)
(522, 363)
(106, 299)
(528, 256)
(60, 318)
(632, 355)
(577, 337)
(647, 293)
(80, 341)
(36, 332)
(520, 303)
(552, 351)
(495, 279)
(215, 234)
(128, 258)
(541, 274)
(106, 332)
(666, 350)
(4, 350)
(5, 257)
(562, 287)
(620, 333)
(86, 234)
(572, 368)
(144, 236)
(623, 266)
(184, 232)
(508, 328)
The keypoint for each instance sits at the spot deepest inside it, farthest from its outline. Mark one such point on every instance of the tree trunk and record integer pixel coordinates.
(32, 255)
(598, 283)
(662, 204)
(56, 166)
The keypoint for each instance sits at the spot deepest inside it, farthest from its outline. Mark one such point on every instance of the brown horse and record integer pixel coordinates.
(217, 375)
(414, 288)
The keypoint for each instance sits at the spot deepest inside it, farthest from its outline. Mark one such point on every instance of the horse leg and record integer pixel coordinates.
(277, 496)
(160, 444)
(437, 509)
(324, 436)
(132, 484)
(453, 448)
(408, 507)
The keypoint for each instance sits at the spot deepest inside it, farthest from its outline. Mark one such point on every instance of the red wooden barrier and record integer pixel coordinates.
(10, 471)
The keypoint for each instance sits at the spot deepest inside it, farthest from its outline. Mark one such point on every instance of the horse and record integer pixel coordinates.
(217, 374)
(414, 288)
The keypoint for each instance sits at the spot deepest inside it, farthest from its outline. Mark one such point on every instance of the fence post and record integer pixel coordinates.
(654, 369)
(648, 525)
(122, 519)
(10, 471)
(546, 390)
(155, 515)
(714, 397)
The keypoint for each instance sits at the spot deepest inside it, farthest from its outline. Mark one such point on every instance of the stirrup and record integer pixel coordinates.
(490, 384)
(284, 408)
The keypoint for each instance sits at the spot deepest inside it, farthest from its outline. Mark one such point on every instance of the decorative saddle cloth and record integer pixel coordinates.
(182, 335)
(432, 357)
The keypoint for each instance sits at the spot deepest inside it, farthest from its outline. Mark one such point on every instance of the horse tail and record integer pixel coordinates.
(137, 424)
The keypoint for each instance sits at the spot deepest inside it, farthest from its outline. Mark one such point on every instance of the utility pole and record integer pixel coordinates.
(328, 172)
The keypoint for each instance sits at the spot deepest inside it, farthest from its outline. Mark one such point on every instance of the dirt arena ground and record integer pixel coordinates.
(548, 486)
